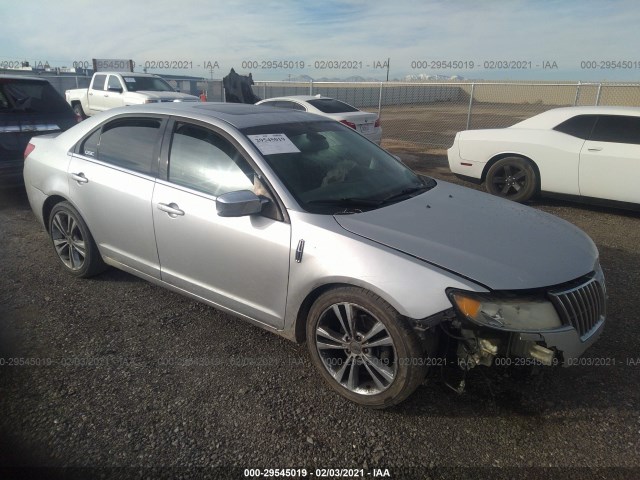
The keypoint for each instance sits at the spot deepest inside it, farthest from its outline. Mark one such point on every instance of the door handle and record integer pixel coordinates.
(172, 209)
(79, 177)
(594, 149)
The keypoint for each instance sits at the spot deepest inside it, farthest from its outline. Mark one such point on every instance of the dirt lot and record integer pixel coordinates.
(118, 378)
(436, 124)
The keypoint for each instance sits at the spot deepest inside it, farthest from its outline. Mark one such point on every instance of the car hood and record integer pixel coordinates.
(495, 242)
(169, 96)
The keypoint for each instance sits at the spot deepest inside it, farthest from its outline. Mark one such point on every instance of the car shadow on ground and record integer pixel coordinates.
(552, 200)
(501, 392)
(13, 197)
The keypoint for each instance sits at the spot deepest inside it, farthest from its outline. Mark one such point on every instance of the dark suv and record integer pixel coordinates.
(28, 106)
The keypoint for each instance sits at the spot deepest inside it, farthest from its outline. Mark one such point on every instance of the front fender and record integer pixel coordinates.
(333, 255)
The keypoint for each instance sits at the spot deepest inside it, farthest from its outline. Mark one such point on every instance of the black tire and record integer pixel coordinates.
(513, 178)
(77, 109)
(372, 375)
(73, 243)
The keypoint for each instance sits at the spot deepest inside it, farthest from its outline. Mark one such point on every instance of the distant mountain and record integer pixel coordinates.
(420, 77)
(423, 77)
(307, 79)
(299, 78)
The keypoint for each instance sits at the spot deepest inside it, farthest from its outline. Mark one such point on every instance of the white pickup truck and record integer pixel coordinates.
(110, 90)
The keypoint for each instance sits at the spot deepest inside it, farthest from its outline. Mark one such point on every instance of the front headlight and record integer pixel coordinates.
(507, 313)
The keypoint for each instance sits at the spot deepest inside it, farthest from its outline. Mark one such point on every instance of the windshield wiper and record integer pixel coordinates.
(349, 201)
(405, 192)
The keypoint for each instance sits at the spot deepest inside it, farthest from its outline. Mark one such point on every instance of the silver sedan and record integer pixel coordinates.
(365, 123)
(305, 228)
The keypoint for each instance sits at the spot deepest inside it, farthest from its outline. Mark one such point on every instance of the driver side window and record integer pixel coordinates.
(202, 160)
(207, 162)
(114, 82)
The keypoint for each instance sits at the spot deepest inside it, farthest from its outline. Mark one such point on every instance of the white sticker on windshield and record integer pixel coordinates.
(130, 79)
(273, 143)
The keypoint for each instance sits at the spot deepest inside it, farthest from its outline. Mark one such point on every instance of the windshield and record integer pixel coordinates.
(153, 84)
(331, 105)
(331, 169)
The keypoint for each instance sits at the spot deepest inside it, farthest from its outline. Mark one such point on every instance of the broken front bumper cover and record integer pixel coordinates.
(565, 341)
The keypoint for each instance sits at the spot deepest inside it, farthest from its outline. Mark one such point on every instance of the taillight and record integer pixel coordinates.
(348, 124)
(28, 150)
(377, 124)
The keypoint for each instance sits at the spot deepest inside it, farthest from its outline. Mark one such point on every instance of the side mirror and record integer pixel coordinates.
(238, 204)
(115, 89)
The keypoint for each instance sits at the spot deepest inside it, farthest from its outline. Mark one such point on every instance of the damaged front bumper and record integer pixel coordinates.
(548, 327)
(549, 348)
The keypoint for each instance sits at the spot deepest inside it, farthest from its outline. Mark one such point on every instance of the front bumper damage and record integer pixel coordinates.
(550, 348)
(581, 308)
(452, 340)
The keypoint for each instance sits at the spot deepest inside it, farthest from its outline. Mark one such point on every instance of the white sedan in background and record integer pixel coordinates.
(365, 123)
(591, 152)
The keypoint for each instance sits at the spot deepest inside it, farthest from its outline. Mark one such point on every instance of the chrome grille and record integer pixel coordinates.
(582, 307)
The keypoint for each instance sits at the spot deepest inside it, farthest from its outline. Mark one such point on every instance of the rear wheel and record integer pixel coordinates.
(363, 348)
(73, 242)
(513, 178)
(77, 109)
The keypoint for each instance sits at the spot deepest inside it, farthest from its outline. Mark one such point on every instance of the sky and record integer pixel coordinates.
(573, 40)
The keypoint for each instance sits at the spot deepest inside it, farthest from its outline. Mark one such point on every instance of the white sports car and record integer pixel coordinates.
(591, 152)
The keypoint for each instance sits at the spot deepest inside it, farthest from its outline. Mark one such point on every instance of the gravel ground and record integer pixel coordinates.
(126, 379)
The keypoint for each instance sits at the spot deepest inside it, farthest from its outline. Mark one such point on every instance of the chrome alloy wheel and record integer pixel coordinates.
(68, 240)
(356, 349)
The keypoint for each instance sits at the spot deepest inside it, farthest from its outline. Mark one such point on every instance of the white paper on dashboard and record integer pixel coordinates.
(273, 143)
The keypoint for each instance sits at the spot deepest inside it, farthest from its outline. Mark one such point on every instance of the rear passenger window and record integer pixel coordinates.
(90, 146)
(617, 129)
(579, 126)
(291, 105)
(128, 143)
(4, 104)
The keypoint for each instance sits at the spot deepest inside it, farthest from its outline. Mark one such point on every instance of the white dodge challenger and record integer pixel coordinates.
(588, 152)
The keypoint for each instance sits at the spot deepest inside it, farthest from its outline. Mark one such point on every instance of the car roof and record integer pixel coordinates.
(239, 115)
(555, 116)
(128, 74)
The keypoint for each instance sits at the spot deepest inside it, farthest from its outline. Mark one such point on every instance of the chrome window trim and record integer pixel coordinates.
(112, 166)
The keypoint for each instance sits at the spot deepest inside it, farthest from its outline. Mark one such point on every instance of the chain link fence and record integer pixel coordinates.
(419, 116)
(416, 116)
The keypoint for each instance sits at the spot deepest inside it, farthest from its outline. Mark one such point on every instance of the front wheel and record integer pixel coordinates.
(513, 178)
(73, 242)
(363, 347)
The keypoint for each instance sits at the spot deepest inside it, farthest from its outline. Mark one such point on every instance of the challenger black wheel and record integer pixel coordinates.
(513, 178)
